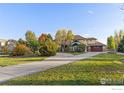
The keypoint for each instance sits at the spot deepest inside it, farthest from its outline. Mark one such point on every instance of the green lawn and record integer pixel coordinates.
(101, 68)
(5, 61)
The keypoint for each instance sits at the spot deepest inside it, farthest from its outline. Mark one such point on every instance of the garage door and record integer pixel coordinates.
(96, 48)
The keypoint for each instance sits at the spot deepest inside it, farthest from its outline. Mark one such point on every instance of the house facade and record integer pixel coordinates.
(92, 44)
(2, 43)
(10, 44)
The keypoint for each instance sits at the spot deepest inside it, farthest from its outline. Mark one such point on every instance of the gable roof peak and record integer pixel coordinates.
(78, 37)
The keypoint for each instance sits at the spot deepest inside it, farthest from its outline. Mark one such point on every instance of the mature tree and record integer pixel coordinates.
(21, 41)
(116, 39)
(58, 38)
(121, 34)
(121, 45)
(63, 37)
(30, 36)
(48, 48)
(42, 38)
(49, 36)
(70, 36)
(111, 43)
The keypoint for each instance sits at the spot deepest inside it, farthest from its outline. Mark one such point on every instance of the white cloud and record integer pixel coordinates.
(90, 12)
(86, 35)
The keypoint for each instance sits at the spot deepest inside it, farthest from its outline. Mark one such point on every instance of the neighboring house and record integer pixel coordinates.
(2, 43)
(92, 44)
(11, 44)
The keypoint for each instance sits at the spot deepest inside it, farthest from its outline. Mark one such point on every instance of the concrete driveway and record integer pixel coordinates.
(14, 71)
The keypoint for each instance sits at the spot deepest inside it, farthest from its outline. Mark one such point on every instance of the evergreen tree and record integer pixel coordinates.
(21, 41)
(49, 36)
(121, 34)
(121, 46)
(34, 45)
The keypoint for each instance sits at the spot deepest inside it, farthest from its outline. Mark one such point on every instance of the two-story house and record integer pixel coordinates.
(92, 44)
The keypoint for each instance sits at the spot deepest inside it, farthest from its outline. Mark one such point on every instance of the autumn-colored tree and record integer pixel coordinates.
(30, 36)
(70, 36)
(58, 38)
(42, 38)
(48, 48)
(111, 43)
(21, 50)
(63, 37)
(117, 40)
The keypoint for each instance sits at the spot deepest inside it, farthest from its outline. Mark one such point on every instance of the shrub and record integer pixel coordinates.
(81, 48)
(48, 48)
(21, 50)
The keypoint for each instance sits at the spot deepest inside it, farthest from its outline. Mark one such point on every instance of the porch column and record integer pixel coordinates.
(85, 48)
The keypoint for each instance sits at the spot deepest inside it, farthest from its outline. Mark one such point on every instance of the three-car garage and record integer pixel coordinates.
(96, 48)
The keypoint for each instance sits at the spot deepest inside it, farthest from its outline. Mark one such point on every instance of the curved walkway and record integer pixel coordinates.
(14, 71)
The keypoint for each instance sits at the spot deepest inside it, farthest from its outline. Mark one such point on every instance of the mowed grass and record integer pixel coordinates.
(6, 61)
(101, 69)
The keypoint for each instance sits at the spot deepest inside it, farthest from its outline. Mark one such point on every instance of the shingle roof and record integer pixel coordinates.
(78, 37)
(91, 38)
(97, 44)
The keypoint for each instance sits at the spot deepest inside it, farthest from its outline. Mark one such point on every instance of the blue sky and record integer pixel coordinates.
(90, 20)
